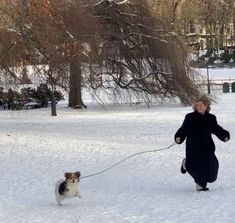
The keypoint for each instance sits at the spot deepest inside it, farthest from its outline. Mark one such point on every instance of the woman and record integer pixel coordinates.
(201, 162)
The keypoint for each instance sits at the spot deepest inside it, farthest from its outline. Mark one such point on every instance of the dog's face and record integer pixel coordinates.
(72, 177)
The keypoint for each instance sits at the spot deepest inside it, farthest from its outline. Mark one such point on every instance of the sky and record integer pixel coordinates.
(36, 150)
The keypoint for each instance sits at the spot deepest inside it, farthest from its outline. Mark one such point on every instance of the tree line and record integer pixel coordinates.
(115, 47)
(212, 21)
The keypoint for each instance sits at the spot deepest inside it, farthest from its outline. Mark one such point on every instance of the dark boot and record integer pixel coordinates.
(200, 188)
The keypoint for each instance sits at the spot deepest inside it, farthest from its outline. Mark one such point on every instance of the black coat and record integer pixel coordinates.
(201, 162)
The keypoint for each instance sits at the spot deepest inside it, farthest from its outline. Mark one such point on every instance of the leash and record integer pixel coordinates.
(139, 153)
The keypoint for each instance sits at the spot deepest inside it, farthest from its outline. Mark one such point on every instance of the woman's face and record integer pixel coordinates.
(200, 107)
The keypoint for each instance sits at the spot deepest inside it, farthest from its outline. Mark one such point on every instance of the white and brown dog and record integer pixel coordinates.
(68, 187)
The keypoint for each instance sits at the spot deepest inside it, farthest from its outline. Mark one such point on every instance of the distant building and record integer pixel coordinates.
(199, 35)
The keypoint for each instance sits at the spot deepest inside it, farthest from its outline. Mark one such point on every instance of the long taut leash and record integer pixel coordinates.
(139, 153)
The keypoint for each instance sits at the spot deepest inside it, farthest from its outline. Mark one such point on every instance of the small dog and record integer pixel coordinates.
(67, 188)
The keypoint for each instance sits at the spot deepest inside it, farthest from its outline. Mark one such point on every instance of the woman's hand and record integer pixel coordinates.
(177, 140)
(226, 139)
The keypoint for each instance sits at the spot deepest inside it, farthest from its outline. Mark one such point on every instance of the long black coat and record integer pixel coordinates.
(201, 162)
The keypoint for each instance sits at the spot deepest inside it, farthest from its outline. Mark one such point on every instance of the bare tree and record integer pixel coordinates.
(37, 36)
(140, 54)
(119, 44)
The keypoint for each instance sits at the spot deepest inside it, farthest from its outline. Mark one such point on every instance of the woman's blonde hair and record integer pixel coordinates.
(205, 100)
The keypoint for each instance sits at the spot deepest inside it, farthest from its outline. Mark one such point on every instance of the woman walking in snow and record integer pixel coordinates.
(201, 162)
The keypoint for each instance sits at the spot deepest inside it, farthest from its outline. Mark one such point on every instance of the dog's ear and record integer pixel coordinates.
(78, 174)
(66, 175)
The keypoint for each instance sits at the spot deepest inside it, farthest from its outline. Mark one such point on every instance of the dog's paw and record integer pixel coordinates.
(79, 196)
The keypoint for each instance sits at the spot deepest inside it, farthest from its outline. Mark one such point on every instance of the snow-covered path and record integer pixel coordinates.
(36, 149)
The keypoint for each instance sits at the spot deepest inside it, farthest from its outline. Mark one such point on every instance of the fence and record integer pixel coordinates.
(217, 85)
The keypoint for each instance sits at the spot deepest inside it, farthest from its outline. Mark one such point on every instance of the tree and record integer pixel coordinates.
(37, 36)
(140, 54)
(213, 15)
(113, 46)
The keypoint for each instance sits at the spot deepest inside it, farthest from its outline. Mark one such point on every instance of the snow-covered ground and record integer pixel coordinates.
(219, 74)
(36, 149)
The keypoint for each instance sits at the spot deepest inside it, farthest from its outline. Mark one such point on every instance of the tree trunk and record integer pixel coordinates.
(75, 88)
(233, 16)
(53, 103)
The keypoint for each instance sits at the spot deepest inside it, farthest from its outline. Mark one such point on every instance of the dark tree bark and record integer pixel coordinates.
(53, 103)
(75, 86)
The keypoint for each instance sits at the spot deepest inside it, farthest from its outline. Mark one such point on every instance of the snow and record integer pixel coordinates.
(123, 2)
(36, 149)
